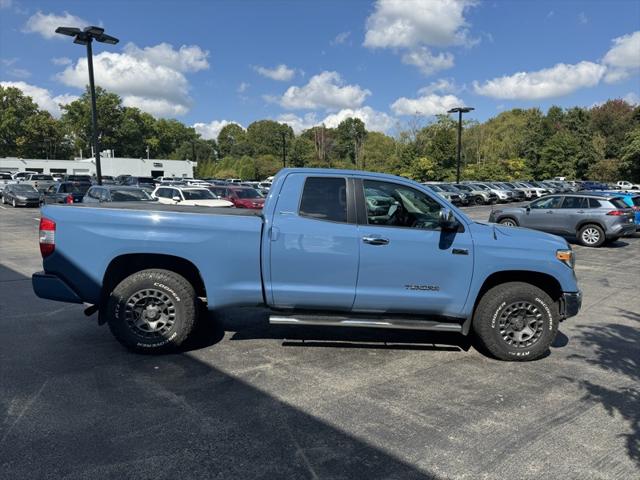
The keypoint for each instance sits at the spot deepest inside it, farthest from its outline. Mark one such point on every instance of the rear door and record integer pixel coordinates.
(572, 211)
(314, 244)
(407, 263)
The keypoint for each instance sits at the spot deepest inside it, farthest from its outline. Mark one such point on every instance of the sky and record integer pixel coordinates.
(389, 62)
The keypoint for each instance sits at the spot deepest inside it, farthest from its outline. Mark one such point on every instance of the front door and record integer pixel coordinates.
(407, 263)
(543, 215)
(313, 245)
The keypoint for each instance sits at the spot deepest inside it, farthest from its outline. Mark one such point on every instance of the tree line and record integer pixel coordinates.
(597, 143)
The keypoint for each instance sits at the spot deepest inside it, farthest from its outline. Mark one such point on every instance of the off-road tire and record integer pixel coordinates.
(583, 234)
(165, 284)
(493, 309)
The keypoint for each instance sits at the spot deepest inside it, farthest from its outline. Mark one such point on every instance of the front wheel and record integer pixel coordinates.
(516, 321)
(152, 311)
(479, 200)
(509, 222)
(14, 204)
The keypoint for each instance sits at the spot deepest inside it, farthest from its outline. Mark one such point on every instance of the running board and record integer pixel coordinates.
(343, 321)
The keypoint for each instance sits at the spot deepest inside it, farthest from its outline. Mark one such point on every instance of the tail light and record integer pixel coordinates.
(47, 236)
(617, 213)
(69, 199)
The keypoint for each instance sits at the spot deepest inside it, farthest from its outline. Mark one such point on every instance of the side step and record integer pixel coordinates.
(373, 322)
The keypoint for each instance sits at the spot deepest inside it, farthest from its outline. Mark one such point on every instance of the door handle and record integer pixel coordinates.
(372, 240)
(549, 211)
(580, 211)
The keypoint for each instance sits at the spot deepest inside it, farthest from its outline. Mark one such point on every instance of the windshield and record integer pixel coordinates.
(480, 187)
(198, 194)
(126, 195)
(449, 188)
(464, 188)
(435, 188)
(247, 193)
(22, 188)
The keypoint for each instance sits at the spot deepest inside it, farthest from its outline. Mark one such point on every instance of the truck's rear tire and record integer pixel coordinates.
(516, 321)
(152, 311)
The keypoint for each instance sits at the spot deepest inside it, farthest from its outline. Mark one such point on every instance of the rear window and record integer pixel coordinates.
(126, 195)
(146, 180)
(618, 203)
(324, 198)
(200, 194)
(636, 201)
(247, 193)
(593, 203)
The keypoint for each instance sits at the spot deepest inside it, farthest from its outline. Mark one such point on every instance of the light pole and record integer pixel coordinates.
(86, 37)
(459, 111)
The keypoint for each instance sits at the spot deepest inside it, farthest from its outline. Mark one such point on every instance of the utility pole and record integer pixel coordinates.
(459, 111)
(284, 149)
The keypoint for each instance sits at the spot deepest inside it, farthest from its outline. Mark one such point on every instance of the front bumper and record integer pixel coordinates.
(570, 304)
(52, 287)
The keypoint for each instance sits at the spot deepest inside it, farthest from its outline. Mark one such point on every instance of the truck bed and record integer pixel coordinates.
(161, 207)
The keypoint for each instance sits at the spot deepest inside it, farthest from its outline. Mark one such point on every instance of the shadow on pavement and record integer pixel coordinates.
(616, 348)
(73, 403)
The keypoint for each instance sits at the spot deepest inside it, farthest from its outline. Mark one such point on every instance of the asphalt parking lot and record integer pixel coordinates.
(258, 401)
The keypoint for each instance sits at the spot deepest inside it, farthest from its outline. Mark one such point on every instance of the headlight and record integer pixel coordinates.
(567, 257)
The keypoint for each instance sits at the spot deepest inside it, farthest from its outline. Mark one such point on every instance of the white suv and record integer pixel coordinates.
(192, 196)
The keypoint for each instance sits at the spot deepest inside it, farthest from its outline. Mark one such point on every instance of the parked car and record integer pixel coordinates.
(22, 175)
(241, 197)
(39, 181)
(141, 182)
(315, 256)
(79, 179)
(106, 180)
(517, 194)
(624, 185)
(58, 177)
(66, 192)
(589, 185)
(501, 196)
(120, 179)
(454, 198)
(592, 219)
(116, 193)
(632, 200)
(191, 196)
(465, 199)
(5, 179)
(477, 196)
(534, 190)
(21, 195)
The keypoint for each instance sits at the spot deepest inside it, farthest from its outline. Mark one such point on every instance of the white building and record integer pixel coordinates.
(112, 166)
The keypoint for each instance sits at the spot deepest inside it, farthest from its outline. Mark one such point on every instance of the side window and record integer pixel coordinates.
(573, 202)
(399, 206)
(92, 193)
(547, 202)
(104, 195)
(63, 188)
(593, 203)
(51, 189)
(161, 193)
(324, 198)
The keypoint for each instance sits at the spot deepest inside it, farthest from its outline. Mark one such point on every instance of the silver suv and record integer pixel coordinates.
(593, 219)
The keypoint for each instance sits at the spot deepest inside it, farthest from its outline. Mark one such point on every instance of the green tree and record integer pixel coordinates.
(266, 137)
(301, 152)
(558, 156)
(631, 155)
(350, 136)
(613, 120)
(231, 138)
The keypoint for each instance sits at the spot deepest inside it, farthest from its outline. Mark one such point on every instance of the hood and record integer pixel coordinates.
(521, 237)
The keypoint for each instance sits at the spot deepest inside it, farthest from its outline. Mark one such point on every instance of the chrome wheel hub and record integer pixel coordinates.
(150, 312)
(591, 236)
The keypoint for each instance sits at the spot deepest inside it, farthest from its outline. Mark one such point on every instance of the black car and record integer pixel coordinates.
(78, 178)
(66, 192)
(142, 182)
(21, 195)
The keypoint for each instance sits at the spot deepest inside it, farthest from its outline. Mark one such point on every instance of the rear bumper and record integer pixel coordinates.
(570, 304)
(52, 287)
(622, 230)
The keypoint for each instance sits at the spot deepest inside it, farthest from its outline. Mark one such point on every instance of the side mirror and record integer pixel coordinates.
(176, 198)
(447, 220)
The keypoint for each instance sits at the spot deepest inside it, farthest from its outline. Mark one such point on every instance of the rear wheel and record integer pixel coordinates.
(478, 200)
(516, 321)
(508, 222)
(13, 203)
(591, 235)
(152, 311)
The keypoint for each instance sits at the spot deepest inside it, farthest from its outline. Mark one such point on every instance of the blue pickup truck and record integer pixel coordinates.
(331, 247)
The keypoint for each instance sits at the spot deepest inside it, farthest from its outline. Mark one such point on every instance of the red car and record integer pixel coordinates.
(241, 197)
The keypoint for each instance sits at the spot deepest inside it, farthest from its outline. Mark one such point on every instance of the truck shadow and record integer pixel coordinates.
(84, 407)
(615, 348)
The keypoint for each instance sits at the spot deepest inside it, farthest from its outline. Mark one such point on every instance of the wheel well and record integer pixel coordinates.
(125, 265)
(544, 282)
(589, 222)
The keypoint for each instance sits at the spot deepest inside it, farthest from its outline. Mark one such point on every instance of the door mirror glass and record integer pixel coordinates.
(447, 219)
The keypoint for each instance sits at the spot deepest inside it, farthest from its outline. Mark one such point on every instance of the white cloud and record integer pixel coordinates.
(425, 105)
(559, 80)
(374, 120)
(325, 90)
(212, 129)
(188, 58)
(632, 98)
(341, 38)
(441, 85)
(409, 23)
(61, 61)
(42, 97)
(623, 59)
(426, 62)
(281, 73)
(5, 4)
(152, 79)
(46, 23)
(582, 18)
(242, 87)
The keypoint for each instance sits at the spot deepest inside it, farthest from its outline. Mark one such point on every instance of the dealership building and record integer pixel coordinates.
(113, 166)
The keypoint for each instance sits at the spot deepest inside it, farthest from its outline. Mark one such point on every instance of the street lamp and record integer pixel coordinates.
(86, 37)
(459, 111)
